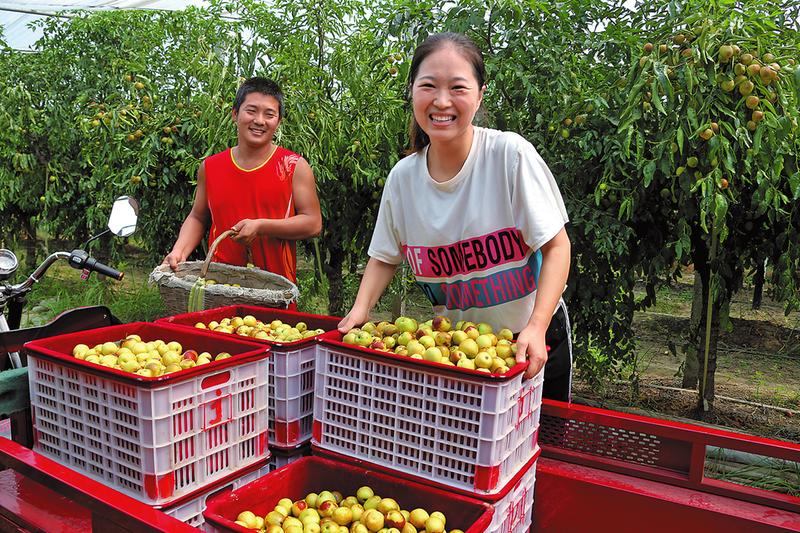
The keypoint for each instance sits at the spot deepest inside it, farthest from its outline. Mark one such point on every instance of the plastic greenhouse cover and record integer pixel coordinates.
(17, 15)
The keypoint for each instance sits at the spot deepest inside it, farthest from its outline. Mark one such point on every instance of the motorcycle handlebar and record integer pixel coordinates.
(97, 266)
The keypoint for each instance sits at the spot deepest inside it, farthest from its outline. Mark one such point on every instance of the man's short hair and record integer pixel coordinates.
(257, 84)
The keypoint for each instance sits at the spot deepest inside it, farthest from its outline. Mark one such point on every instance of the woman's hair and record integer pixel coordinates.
(466, 47)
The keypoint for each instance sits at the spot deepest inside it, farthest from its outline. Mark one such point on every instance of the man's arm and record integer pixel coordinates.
(306, 222)
(194, 227)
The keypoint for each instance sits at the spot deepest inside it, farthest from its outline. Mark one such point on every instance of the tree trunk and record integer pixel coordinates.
(333, 271)
(706, 387)
(30, 245)
(691, 370)
(758, 285)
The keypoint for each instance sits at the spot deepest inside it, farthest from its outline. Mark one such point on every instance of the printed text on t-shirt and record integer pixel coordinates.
(469, 255)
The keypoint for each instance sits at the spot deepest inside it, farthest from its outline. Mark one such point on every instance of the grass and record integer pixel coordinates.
(62, 289)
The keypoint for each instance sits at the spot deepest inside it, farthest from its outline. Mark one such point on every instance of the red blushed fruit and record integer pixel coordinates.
(441, 323)
(190, 354)
(298, 507)
(377, 345)
(395, 519)
(327, 508)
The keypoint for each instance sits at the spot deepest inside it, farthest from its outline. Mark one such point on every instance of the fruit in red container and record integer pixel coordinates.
(441, 323)
(394, 518)
(364, 493)
(404, 323)
(417, 517)
(327, 507)
(342, 516)
(373, 519)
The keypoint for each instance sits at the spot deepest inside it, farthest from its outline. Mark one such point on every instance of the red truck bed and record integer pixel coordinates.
(600, 470)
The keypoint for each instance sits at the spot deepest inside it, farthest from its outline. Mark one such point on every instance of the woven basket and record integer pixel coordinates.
(256, 286)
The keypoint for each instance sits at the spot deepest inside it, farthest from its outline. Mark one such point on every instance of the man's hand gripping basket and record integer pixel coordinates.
(188, 289)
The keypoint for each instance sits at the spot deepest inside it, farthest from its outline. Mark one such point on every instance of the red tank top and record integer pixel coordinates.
(263, 192)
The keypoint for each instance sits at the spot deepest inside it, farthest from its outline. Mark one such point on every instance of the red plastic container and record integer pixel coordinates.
(153, 438)
(291, 367)
(315, 474)
(189, 509)
(467, 430)
(512, 506)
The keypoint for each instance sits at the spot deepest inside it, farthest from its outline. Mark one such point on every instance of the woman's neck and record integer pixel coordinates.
(446, 159)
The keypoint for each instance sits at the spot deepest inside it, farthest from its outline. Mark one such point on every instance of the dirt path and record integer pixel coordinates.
(758, 361)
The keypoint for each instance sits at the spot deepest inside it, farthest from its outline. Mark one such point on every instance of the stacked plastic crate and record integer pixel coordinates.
(452, 428)
(170, 440)
(291, 372)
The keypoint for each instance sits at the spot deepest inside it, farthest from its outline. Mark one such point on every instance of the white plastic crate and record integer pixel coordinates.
(191, 511)
(463, 430)
(291, 395)
(279, 457)
(155, 444)
(291, 367)
(514, 512)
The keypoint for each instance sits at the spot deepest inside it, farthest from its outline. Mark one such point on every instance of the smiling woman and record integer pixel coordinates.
(457, 170)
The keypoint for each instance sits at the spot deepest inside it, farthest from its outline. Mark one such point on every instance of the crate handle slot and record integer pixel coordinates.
(216, 379)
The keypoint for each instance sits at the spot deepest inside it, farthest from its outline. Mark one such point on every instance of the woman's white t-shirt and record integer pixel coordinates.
(473, 241)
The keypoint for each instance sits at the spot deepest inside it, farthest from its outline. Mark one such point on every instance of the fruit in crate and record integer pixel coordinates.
(330, 512)
(250, 326)
(465, 345)
(148, 359)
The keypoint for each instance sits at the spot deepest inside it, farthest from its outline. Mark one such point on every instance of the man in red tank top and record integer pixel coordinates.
(264, 192)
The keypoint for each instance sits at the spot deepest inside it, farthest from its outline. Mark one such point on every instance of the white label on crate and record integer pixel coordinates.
(217, 411)
(5, 428)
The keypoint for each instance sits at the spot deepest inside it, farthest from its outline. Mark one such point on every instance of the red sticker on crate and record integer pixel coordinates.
(525, 406)
(288, 432)
(515, 514)
(159, 487)
(486, 477)
(217, 411)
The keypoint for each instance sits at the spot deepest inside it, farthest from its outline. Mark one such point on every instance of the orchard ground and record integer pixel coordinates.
(758, 358)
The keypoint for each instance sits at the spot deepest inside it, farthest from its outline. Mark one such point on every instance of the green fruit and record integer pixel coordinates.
(746, 88)
(692, 162)
(725, 53)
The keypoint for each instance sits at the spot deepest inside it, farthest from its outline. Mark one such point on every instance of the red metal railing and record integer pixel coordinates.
(110, 510)
(658, 450)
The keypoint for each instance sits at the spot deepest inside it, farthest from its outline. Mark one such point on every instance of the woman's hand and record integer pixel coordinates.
(353, 319)
(531, 347)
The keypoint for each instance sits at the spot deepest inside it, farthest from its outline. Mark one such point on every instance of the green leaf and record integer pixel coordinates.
(649, 171)
(720, 209)
(794, 185)
(655, 99)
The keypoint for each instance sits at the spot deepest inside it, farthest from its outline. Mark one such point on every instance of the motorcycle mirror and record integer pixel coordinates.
(124, 213)
(8, 264)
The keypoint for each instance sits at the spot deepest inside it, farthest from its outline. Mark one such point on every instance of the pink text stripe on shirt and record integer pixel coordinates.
(470, 255)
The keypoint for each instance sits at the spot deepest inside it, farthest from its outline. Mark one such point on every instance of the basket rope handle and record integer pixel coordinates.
(213, 248)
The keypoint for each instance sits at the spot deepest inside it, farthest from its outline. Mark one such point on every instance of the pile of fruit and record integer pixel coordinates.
(148, 359)
(467, 345)
(250, 326)
(330, 512)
